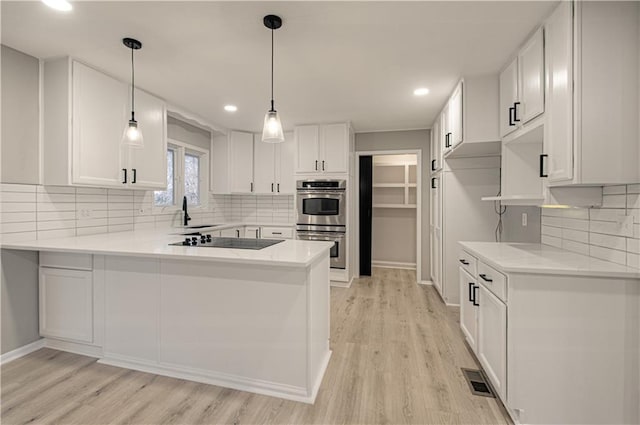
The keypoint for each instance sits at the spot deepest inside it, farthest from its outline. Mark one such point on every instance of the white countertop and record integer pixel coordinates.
(155, 243)
(543, 259)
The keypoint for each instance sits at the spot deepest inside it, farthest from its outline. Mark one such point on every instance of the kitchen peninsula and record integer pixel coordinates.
(253, 320)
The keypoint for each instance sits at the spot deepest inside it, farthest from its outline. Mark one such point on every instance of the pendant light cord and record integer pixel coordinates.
(133, 91)
(272, 106)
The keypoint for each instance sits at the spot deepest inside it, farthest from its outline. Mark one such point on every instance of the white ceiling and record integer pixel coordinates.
(335, 61)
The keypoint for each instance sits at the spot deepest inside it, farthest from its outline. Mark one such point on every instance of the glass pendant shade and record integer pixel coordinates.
(272, 130)
(132, 135)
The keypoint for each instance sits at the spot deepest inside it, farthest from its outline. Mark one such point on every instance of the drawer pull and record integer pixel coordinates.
(485, 278)
(465, 262)
(276, 233)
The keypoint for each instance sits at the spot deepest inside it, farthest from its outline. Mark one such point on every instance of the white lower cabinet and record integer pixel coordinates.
(251, 232)
(66, 304)
(276, 232)
(491, 347)
(468, 308)
(232, 232)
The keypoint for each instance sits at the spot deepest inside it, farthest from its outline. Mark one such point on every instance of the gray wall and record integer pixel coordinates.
(20, 117)
(184, 132)
(19, 282)
(398, 140)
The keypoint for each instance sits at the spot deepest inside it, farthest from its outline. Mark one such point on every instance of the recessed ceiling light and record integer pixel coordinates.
(230, 108)
(421, 91)
(62, 5)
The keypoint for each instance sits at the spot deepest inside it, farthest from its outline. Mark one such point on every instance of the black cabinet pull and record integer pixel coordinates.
(465, 262)
(515, 112)
(322, 165)
(271, 187)
(447, 140)
(316, 165)
(433, 165)
(237, 233)
(475, 296)
(485, 278)
(542, 161)
(471, 293)
(135, 175)
(125, 176)
(276, 233)
(433, 182)
(251, 185)
(512, 111)
(278, 187)
(257, 233)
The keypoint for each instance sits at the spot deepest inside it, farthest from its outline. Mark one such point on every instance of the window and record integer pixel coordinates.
(187, 175)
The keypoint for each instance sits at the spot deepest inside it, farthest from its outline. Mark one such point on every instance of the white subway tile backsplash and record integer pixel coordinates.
(597, 231)
(44, 212)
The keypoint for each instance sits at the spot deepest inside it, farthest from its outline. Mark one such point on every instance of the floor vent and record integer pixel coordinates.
(478, 382)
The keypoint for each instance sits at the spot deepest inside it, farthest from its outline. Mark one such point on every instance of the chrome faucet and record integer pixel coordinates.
(184, 209)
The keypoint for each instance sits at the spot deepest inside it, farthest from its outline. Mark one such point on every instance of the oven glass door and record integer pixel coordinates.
(321, 209)
(336, 252)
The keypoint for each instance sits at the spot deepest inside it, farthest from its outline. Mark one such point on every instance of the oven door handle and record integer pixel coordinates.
(324, 236)
(321, 192)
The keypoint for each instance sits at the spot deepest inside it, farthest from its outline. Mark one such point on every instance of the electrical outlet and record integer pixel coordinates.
(524, 219)
(626, 225)
(85, 213)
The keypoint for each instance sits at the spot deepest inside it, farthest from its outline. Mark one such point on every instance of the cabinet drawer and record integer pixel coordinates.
(277, 233)
(63, 260)
(468, 262)
(493, 280)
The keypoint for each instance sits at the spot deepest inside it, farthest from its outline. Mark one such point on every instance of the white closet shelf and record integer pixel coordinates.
(395, 185)
(523, 200)
(394, 205)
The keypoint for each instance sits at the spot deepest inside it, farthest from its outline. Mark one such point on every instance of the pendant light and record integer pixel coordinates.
(132, 135)
(272, 130)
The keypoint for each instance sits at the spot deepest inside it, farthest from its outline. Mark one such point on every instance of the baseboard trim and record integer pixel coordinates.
(22, 351)
(319, 377)
(273, 389)
(393, 265)
(425, 282)
(74, 347)
(341, 284)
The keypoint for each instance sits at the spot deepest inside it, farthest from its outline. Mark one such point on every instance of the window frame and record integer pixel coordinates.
(180, 150)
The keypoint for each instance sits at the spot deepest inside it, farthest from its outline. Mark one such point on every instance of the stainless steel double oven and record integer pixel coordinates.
(322, 215)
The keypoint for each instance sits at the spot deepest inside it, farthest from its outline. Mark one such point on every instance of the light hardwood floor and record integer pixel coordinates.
(397, 353)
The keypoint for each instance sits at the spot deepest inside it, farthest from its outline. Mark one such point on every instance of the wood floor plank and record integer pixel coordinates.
(397, 354)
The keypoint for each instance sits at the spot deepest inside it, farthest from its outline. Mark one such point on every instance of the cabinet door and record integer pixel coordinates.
(148, 165)
(508, 97)
(251, 232)
(285, 157)
(334, 148)
(241, 167)
(468, 308)
(531, 77)
(492, 338)
(234, 232)
(445, 125)
(66, 304)
(307, 148)
(99, 120)
(558, 128)
(455, 116)
(436, 146)
(220, 164)
(436, 257)
(264, 165)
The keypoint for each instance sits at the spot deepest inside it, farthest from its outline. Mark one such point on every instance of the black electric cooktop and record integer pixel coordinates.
(206, 241)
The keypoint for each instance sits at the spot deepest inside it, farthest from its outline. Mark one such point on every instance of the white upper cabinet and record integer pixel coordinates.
(522, 86)
(273, 166)
(148, 165)
(591, 129)
(98, 121)
(455, 117)
(469, 121)
(559, 77)
(322, 148)
(241, 162)
(531, 77)
(436, 146)
(508, 97)
(85, 114)
(264, 165)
